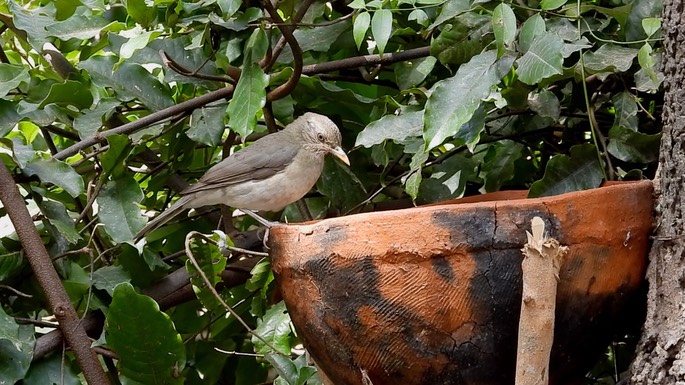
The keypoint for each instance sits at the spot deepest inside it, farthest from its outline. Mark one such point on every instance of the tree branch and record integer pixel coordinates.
(286, 88)
(367, 60)
(49, 280)
(145, 121)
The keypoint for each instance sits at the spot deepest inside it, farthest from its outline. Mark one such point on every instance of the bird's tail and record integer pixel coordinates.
(163, 218)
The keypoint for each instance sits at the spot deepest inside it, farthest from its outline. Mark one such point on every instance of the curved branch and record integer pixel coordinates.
(276, 52)
(286, 88)
(49, 280)
(367, 60)
(145, 121)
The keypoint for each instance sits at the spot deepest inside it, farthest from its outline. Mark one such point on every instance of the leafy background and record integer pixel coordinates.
(108, 109)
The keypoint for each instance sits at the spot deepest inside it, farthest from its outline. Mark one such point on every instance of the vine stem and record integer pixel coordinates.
(586, 96)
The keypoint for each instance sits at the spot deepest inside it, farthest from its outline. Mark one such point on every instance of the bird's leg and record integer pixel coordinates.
(267, 223)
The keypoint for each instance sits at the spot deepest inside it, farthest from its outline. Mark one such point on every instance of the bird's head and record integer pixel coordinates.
(321, 135)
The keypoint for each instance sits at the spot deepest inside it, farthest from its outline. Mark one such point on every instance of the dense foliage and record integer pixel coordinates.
(435, 99)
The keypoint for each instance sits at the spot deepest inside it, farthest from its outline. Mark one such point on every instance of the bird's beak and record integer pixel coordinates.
(340, 154)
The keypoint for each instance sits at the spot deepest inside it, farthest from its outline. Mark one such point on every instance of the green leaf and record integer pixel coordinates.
(136, 43)
(504, 27)
(130, 81)
(212, 263)
(79, 27)
(409, 74)
(9, 330)
(10, 264)
(454, 100)
(626, 111)
(16, 349)
(632, 146)
(8, 116)
(579, 171)
(420, 16)
(57, 215)
(531, 28)
(207, 124)
(381, 28)
(644, 57)
(259, 275)
(341, 185)
(413, 182)
(391, 127)
(144, 338)
(610, 57)
(449, 10)
(498, 166)
(11, 76)
(543, 59)
(108, 277)
(285, 368)
(229, 7)
(114, 159)
(33, 21)
(360, 26)
(92, 120)
(140, 12)
(53, 370)
(274, 327)
(118, 208)
(250, 92)
(639, 11)
(318, 39)
(463, 39)
(56, 172)
(69, 93)
(651, 25)
(545, 104)
(548, 5)
(448, 180)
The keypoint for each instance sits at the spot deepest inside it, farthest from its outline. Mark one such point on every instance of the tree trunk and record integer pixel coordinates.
(661, 351)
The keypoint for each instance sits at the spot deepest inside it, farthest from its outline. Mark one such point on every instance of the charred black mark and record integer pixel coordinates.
(474, 228)
(443, 268)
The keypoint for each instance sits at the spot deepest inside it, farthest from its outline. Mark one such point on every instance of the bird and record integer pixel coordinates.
(273, 172)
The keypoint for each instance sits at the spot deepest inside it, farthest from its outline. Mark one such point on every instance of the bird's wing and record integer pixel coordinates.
(259, 161)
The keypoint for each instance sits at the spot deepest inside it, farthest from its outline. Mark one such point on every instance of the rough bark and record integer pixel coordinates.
(661, 351)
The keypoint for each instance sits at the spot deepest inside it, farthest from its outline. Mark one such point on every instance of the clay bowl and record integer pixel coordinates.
(431, 295)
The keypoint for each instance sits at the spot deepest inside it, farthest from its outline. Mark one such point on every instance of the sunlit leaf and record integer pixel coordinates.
(360, 26)
(381, 28)
(391, 127)
(250, 92)
(504, 26)
(454, 100)
(274, 327)
(11, 76)
(543, 59)
(118, 208)
(56, 172)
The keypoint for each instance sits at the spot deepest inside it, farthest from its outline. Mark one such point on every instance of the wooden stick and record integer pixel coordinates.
(541, 264)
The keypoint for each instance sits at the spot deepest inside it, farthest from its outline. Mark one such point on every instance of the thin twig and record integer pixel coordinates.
(15, 291)
(211, 288)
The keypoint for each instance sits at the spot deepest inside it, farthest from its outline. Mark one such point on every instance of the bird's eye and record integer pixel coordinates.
(320, 137)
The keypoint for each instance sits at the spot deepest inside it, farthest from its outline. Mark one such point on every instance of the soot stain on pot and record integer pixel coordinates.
(474, 228)
(349, 287)
(443, 268)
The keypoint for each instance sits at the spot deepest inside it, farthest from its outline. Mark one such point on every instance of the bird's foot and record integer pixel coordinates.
(267, 223)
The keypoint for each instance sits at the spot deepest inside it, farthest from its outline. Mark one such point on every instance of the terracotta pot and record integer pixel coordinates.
(431, 295)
